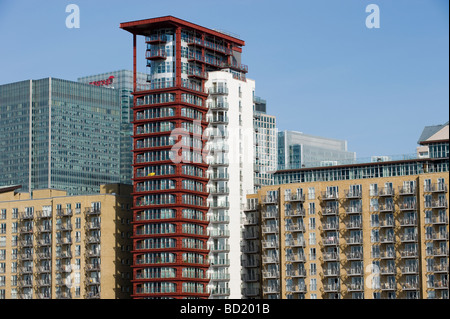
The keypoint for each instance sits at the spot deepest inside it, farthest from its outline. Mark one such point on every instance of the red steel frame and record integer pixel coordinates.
(144, 28)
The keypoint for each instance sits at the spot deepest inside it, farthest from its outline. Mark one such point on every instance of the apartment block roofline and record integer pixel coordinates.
(317, 168)
(143, 27)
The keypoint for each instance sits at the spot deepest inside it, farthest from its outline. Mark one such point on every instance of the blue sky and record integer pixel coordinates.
(321, 70)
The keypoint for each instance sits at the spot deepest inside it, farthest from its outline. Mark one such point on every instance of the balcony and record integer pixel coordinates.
(407, 222)
(219, 262)
(435, 188)
(388, 286)
(294, 198)
(156, 39)
(386, 191)
(270, 259)
(407, 190)
(219, 276)
(26, 215)
(409, 253)
(387, 223)
(26, 230)
(387, 239)
(440, 284)
(295, 228)
(250, 248)
(156, 55)
(440, 268)
(250, 235)
(383, 208)
(330, 241)
(26, 243)
(271, 229)
(274, 289)
(353, 194)
(353, 209)
(270, 274)
(408, 238)
(270, 244)
(296, 258)
(300, 212)
(329, 196)
(437, 252)
(218, 106)
(64, 212)
(330, 226)
(354, 224)
(407, 206)
(218, 233)
(408, 270)
(353, 287)
(216, 118)
(250, 221)
(387, 270)
(92, 211)
(331, 288)
(437, 220)
(250, 263)
(269, 200)
(355, 255)
(441, 235)
(270, 214)
(218, 90)
(296, 289)
(330, 256)
(295, 243)
(389, 254)
(64, 241)
(330, 211)
(410, 286)
(331, 272)
(296, 273)
(355, 271)
(251, 292)
(437, 204)
(354, 240)
(193, 73)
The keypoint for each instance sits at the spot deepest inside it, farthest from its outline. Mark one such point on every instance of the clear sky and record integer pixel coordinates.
(321, 70)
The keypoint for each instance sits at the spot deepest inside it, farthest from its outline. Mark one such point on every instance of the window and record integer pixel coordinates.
(313, 284)
(313, 269)
(312, 254)
(373, 189)
(2, 213)
(312, 208)
(311, 193)
(312, 238)
(312, 223)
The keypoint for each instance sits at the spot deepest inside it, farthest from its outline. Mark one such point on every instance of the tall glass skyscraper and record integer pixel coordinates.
(122, 81)
(59, 134)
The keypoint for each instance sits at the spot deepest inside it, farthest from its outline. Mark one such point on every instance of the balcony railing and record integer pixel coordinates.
(294, 197)
(436, 188)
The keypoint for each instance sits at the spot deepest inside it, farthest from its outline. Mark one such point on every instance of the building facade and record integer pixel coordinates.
(229, 154)
(55, 246)
(122, 81)
(265, 144)
(59, 134)
(376, 230)
(171, 255)
(296, 150)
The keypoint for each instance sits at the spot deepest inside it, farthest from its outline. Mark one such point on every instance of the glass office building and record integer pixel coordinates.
(59, 134)
(297, 150)
(122, 81)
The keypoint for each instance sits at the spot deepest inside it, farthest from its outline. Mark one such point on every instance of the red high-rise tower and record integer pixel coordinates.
(170, 255)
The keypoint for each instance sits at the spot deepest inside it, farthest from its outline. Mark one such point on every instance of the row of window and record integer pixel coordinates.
(168, 228)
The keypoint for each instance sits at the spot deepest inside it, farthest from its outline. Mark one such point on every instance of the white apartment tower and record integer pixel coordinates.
(231, 176)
